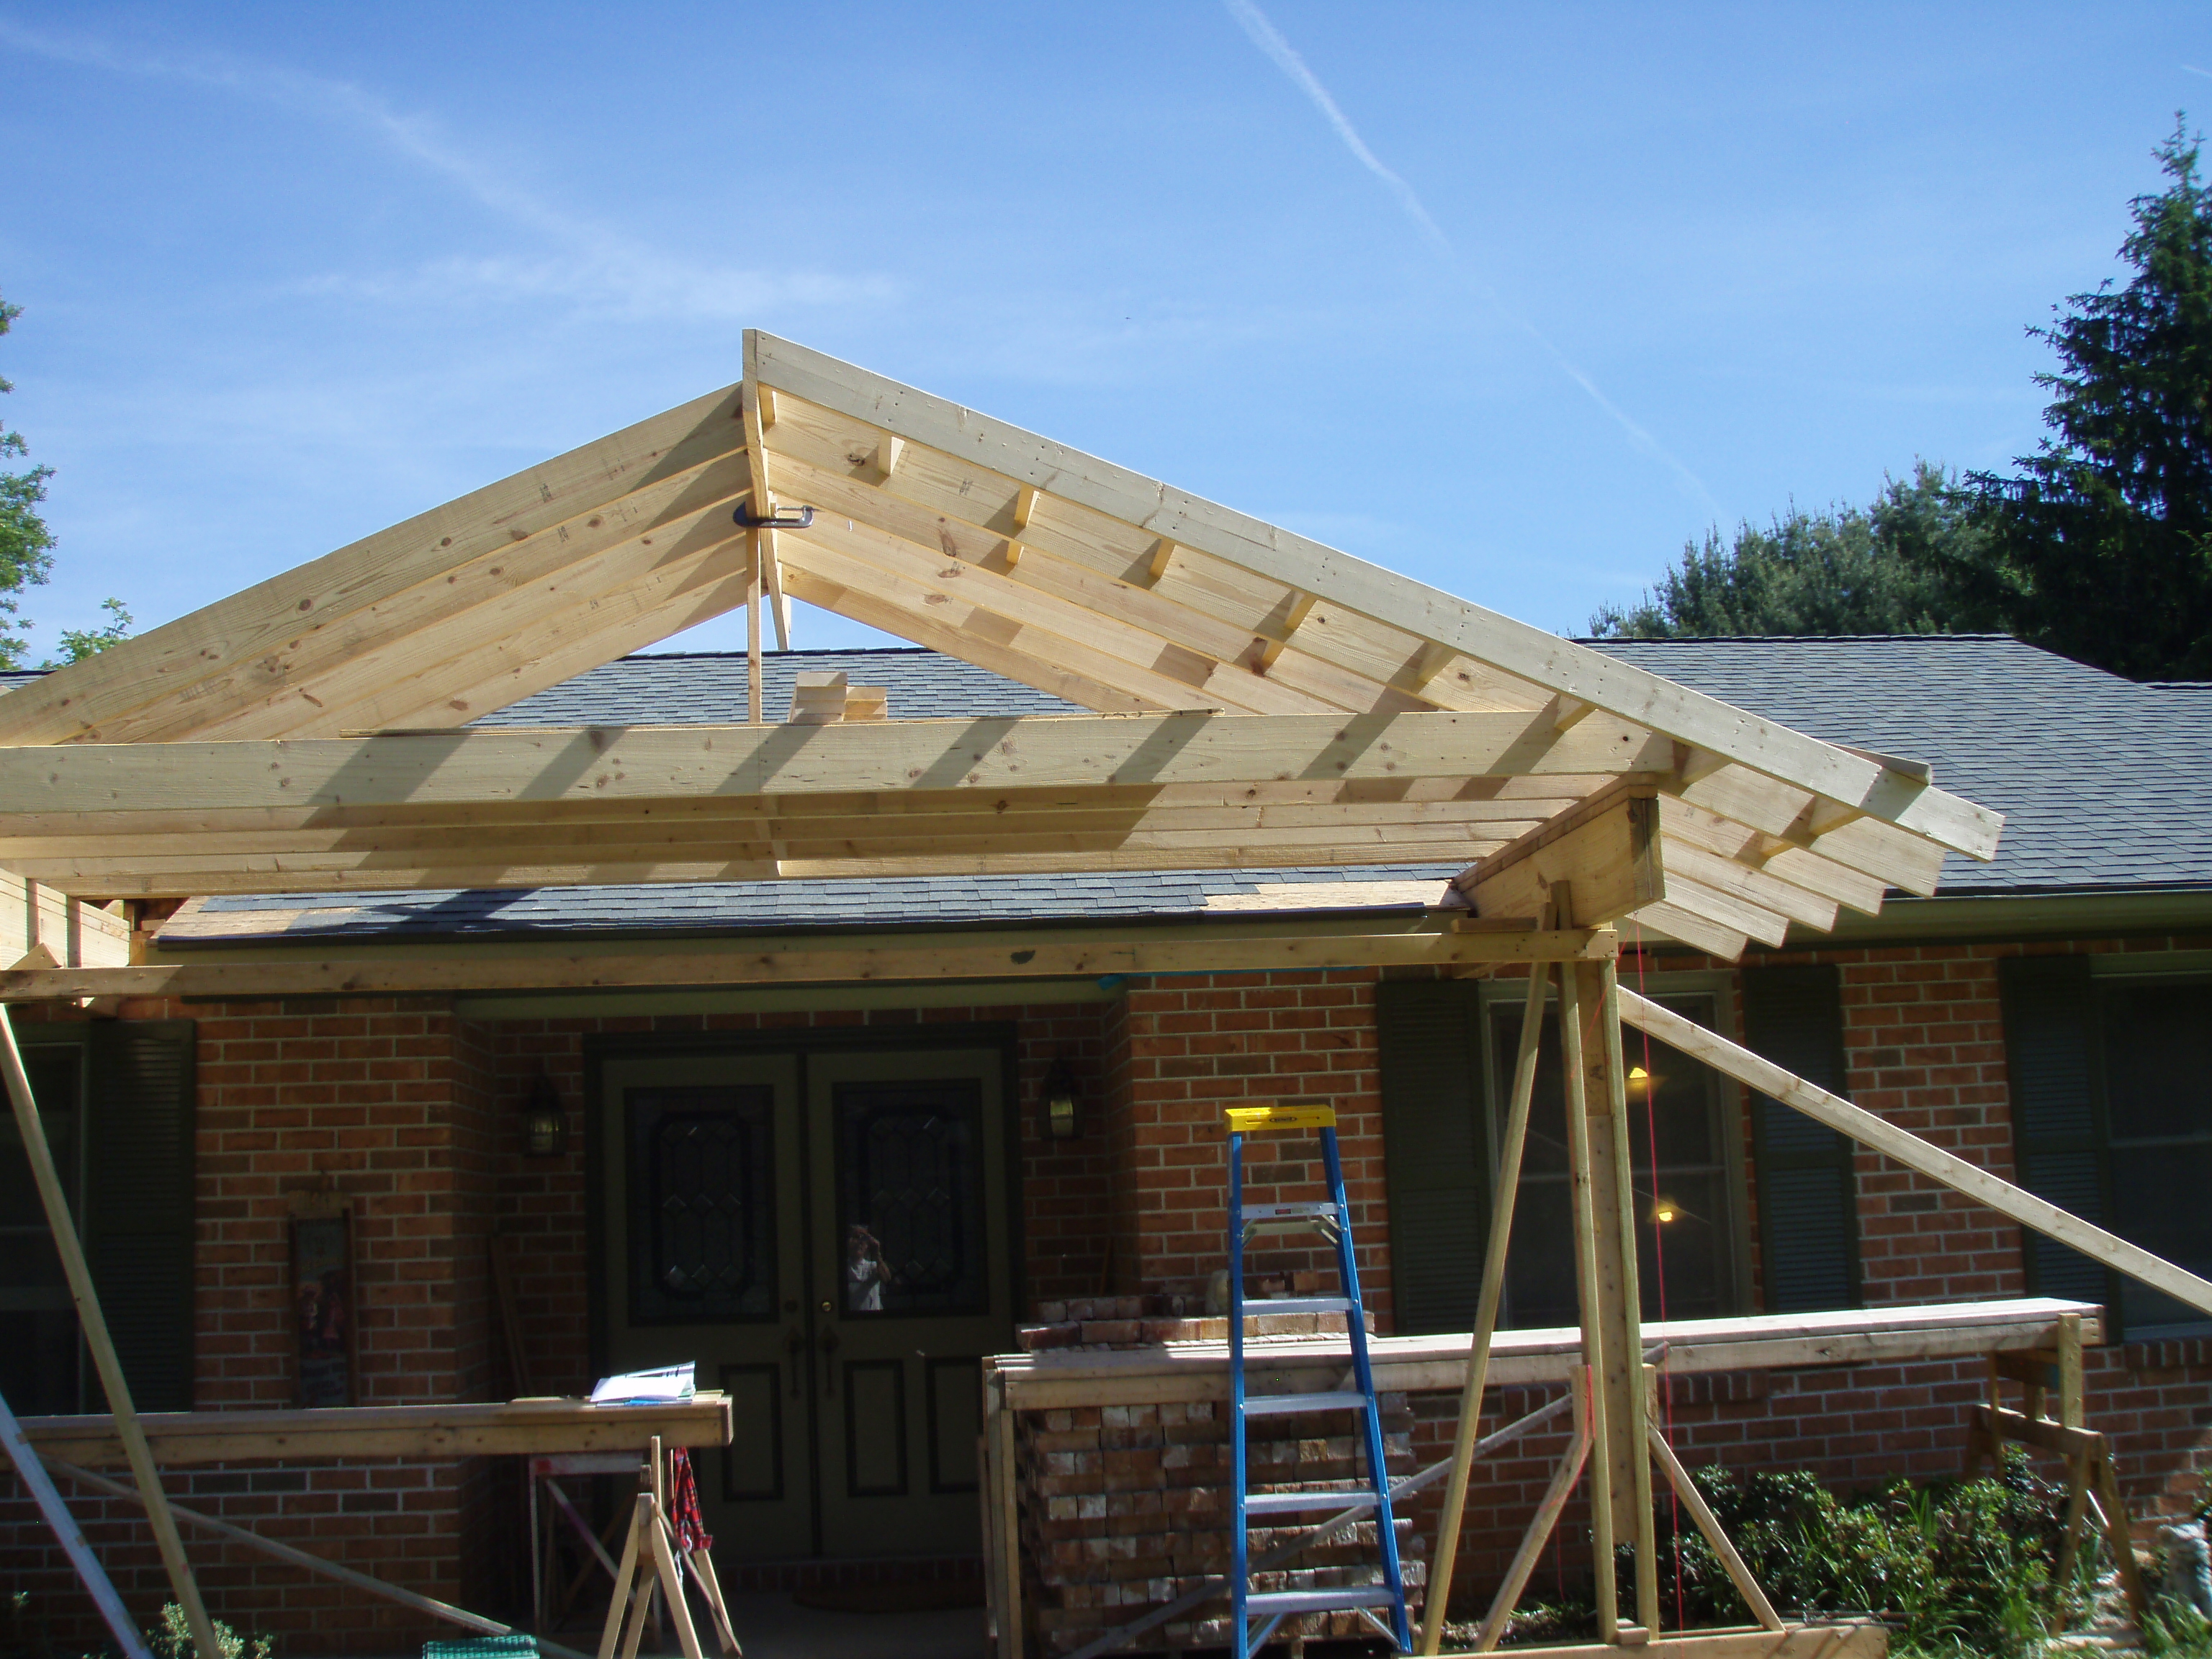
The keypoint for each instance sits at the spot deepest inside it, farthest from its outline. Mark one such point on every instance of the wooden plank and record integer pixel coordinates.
(35, 915)
(1673, 921)
(1746, 882)
(1607, 848)
(644, 832)
(1908, 1149)
(1008, 954)
(329, 677)
(498, 1428)
(1426, 613)
(172, 681)
(524, 639)
(1836, 1641)
(1725, 910)
(1438, 1363)
(1034, 752)
(1503, 800)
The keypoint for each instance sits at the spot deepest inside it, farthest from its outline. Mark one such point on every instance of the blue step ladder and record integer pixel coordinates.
(1332, 1220)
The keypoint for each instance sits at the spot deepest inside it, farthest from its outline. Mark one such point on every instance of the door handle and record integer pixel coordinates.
(795, 1345)
(829, 1345)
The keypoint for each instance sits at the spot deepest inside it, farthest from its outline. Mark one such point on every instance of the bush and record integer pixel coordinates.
(1955, 1566)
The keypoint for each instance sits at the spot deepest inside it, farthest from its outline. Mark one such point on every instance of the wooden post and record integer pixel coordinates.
(2070, 1403)
(1631, 1431)
(752, 629)
(1611, 1320)
(1486, 1315)
(93, 1324)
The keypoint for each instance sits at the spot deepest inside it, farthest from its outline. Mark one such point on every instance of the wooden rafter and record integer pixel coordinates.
(962, 534)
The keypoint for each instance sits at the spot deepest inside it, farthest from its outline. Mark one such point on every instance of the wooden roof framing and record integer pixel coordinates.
(1259, 699)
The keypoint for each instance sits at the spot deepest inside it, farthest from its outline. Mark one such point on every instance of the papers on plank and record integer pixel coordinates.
(656, 1388)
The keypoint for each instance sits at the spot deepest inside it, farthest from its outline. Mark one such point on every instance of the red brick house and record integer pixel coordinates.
(628, 1022)
(2046, 1016)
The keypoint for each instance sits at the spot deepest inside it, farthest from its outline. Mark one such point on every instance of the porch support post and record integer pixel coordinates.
(1599, 1151)
(93, 1324)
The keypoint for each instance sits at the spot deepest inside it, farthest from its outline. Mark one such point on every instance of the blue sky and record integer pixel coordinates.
(1514, 299)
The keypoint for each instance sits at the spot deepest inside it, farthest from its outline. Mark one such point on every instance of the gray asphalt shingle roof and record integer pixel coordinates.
(2106, 784)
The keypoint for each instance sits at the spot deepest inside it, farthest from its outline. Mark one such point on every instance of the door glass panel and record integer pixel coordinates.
(910, 1199)
(703, 1205)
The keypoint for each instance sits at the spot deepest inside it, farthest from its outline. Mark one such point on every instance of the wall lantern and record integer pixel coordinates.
(1062, 1120)
(545, 1120)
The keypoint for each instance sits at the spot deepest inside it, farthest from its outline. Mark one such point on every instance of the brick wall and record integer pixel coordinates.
(388, 1100)
(1194, 1046)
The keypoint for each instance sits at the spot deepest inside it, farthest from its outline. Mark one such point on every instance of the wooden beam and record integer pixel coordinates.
(762, 505)
(1697, 932)
(503, 1428)
(175, 680)
(1011, 953)
(1902, 1146)
(1036, 751)
(1559, 665)
(1607, 848)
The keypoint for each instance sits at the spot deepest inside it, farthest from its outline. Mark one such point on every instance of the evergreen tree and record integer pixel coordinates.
(1848, 570)
(2101, 547)
(25, 541)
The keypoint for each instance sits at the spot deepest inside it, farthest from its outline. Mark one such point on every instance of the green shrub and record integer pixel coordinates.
(174, 1640)
(1955, 1566)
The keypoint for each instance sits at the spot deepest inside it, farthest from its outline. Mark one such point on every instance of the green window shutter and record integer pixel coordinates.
(138, 1202)
(1435, 1152)
(1807, 1191)
(2057, 1118)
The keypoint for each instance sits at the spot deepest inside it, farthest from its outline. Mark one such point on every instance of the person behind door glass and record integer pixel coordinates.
(866, 1272)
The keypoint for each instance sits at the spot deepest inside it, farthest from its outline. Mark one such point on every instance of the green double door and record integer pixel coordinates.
(826, 1233)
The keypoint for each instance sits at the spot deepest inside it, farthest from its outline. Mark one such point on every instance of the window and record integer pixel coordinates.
(115, 1099)
(2112, 1100)
(1448, 1050)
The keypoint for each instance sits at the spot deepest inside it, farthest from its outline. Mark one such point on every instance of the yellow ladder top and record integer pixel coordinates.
(1266, 1114)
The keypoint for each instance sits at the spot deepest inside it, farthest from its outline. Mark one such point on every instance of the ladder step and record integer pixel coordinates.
(1272, 1212)
(1285, 1502)
(1343, 1597)
(1298, 1305)
(1282, 1405)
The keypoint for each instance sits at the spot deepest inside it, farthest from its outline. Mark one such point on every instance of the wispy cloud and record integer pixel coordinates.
(589, 262)
(1269, 39)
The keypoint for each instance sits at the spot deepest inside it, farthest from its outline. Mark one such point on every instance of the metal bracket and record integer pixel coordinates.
(798, 519)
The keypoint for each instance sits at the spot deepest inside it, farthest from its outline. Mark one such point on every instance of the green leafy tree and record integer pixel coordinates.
(25, 544)
(2100, 547)
(78, 643)
(1848, 570)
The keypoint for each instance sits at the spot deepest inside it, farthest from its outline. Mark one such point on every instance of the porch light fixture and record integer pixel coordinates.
(1062, 1120)
(1639, 1080)
(545, 1120)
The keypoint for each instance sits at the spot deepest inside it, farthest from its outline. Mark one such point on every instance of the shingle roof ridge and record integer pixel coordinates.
(1601, 642)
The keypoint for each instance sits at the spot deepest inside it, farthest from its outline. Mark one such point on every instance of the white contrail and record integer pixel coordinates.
(1285, 56)
(595, 262)
(2193, 70)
